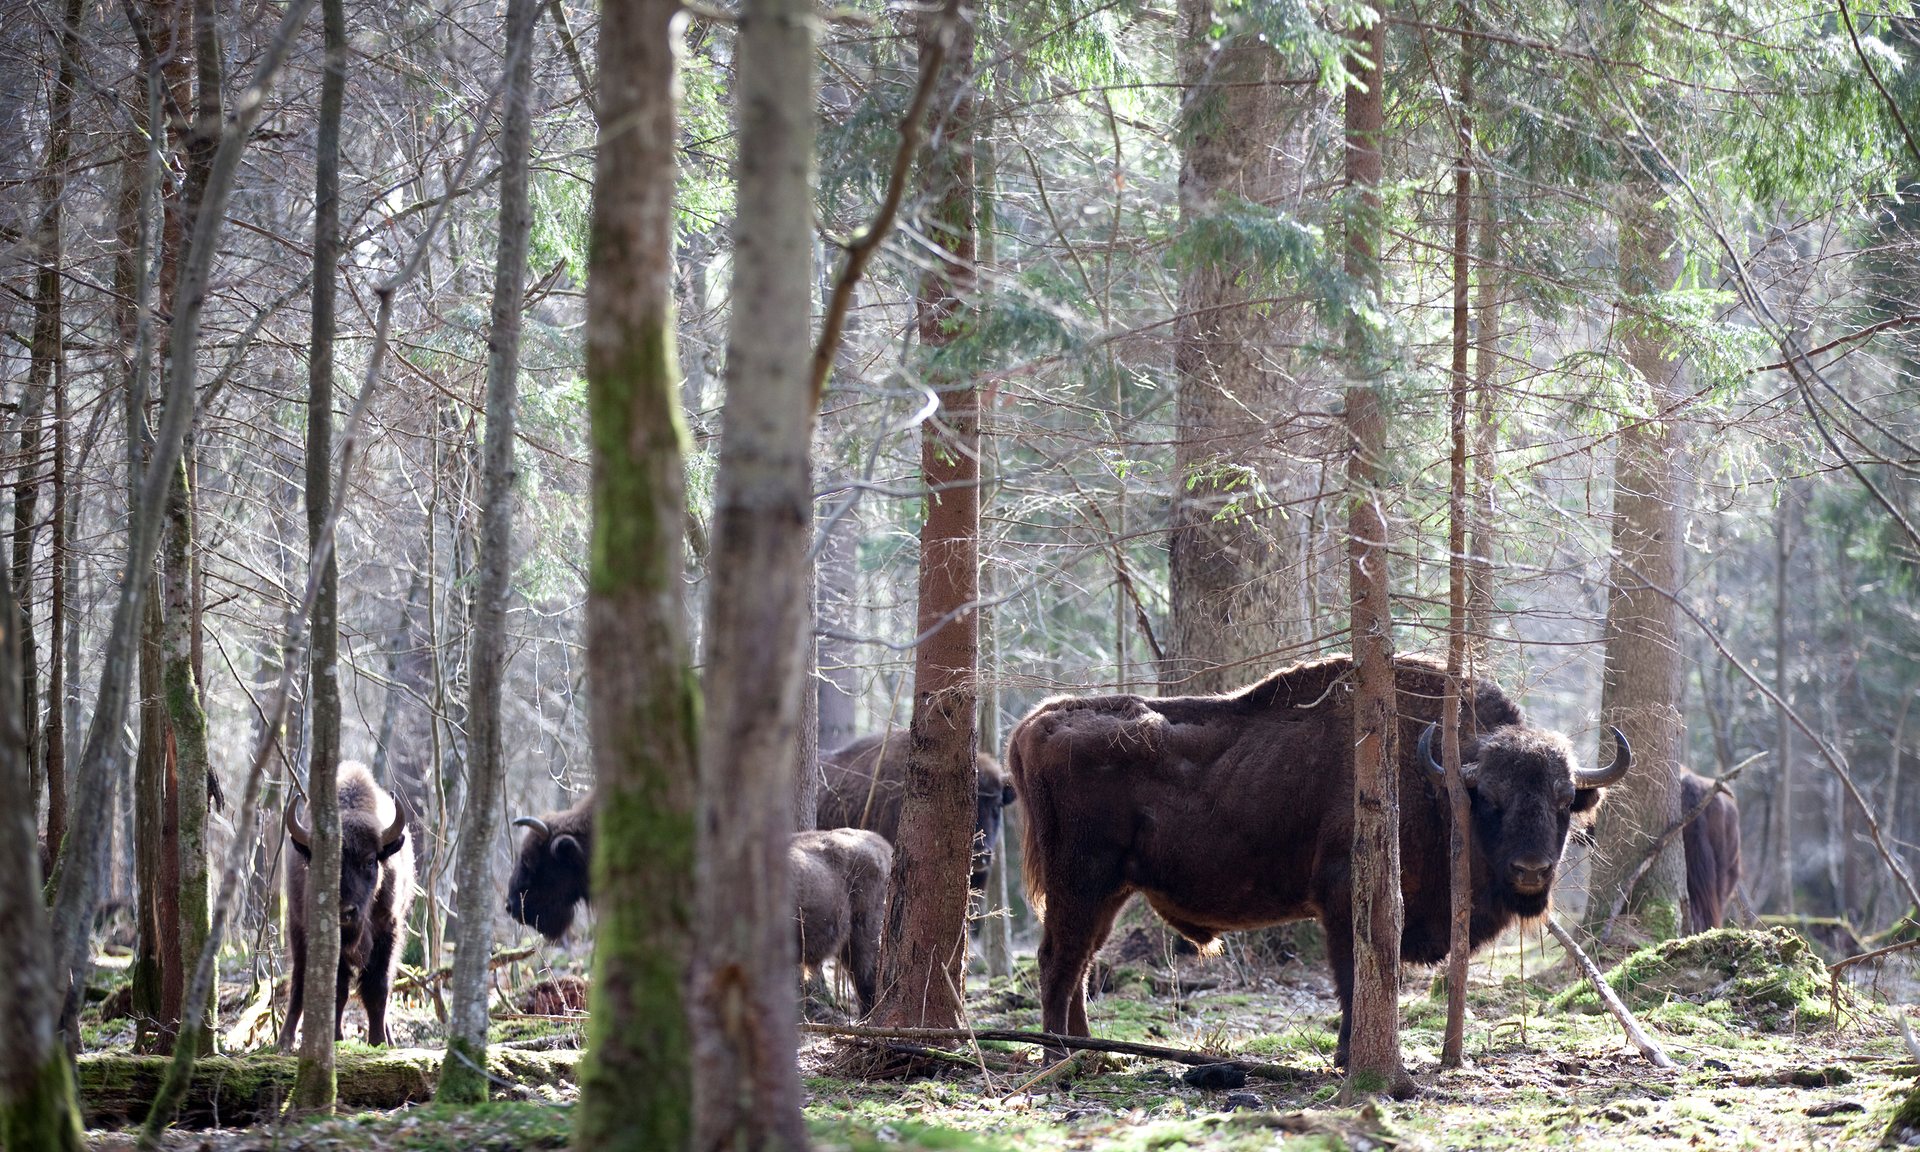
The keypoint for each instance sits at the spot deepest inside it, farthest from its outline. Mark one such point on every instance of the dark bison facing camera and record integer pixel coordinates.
(1234, 812)
(376, 892)
(866, 782)
(1712, 843)
(840, 893)
(551, 876)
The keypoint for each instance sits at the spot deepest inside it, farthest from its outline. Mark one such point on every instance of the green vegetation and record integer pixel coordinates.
(1769, 979)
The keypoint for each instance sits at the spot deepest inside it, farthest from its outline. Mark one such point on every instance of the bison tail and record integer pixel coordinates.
(1037, 810)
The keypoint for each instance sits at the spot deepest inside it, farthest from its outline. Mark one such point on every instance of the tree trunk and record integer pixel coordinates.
(745, 1014)
(1232, 562)
(462, 1077)
(1373, 1063)
(188, 729)
(1486, 435)
(314, 1088)
(923, 954)
(1641, 691)
(38, 1109)
(1783, 857)
(636, 1090)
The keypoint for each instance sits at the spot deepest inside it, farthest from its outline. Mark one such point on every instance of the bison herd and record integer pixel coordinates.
(1225, 813)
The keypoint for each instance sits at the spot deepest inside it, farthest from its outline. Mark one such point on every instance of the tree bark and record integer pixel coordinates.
(314, 1088)
(1641, 691)
(636, 1090)
(1373, 1062)
(1486, 434)
(923, 954)
(462, 1077)
(1232, 562)
(745, 1014)
(1783, 857)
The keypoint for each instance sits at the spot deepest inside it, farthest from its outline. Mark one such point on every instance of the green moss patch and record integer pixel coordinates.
(1770, 979)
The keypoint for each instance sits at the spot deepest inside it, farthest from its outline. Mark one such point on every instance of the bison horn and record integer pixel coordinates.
(1612, 773)
(301, 834)
(398, 828)
(535, 823)
(1426, 754)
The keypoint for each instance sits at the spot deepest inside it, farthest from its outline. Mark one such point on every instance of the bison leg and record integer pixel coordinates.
(342, 988)
(297, 993)
(1338, 927)
(1073, 930)
(376, 979)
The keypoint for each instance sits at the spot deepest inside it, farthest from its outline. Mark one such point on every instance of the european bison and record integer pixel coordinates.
(866, 781)
(551, 876)
(1235, 811)
(376, 893)
(840, 890)
(1713, 852)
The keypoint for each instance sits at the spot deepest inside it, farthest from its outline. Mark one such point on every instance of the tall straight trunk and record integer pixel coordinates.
(636, 1084)
(1641, 691)
(1373, 1060)
(462, 1075)
(313, 1089)
(1783, 858)
(837, 568)
(1231, 558)
(923, 955)
(1486, 433)
(39, 1108)
(745, 1013)
(1459, 870)
(47, 370)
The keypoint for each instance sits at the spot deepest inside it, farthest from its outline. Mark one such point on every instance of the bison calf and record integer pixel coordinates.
(865, 783)
(840, 892)
(376, 892)
(1712, 842)
(552, 874)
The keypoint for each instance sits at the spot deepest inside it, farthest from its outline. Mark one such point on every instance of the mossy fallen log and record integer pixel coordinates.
(116, 1089)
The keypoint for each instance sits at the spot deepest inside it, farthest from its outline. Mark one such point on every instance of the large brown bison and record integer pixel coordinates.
(1236, 811)
(552, 874)
(1712, 842)
(376, 893)
(840, 893)
(865, 783)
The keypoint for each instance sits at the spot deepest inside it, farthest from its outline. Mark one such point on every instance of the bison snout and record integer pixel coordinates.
(1531, 874)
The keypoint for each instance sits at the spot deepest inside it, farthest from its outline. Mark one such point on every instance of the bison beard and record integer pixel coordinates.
(840, 892)
(1235, 812)
(376, 892)
(865, 782)
(1713, 852)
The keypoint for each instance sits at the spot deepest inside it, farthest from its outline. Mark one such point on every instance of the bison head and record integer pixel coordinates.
(1525, 793)
(364, 846)
(994, 792)
(548, 880)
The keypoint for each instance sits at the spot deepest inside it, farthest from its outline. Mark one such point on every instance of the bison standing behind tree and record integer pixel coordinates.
(376, 893)
(1234, 812)
(840, 893)
(554, 870)
(865, 783)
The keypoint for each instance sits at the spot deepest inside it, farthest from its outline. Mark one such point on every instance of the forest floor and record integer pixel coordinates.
(1763, 1062)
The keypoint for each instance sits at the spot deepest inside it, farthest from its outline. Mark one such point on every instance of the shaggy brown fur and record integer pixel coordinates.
(866, 781)
(1713, 852)
(1234, 812)
(840, 890)
(376, 893)
(552, 874)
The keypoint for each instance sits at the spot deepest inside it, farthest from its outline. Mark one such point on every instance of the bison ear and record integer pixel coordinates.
(387, 850)
(1587, 799)
(567, 850)
(1007, 795)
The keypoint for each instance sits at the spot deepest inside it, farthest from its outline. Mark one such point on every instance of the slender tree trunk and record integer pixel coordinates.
(462, 1075)
(1486, 434)
(313, 1089)
(1641, 691)
(1232, 560)
(1783, 857)
(38, 1106)
(745, 1013)
(1459, 868)
(636, 1085)
(923, 955)
(1373, 1063)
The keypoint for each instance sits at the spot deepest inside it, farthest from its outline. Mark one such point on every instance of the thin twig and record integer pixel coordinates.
(1655, 1055)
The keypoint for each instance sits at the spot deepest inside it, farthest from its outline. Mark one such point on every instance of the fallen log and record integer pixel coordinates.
(1279, 1072)
(1649, 1048)
(117, 1089)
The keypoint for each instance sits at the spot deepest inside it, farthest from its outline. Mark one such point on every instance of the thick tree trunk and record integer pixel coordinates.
(1373, 1061)
(636, 1090)
(462, 1077)
(314, 1088)
(188, 723)
(923, 955)
(1641, 691)
(745, 1014)
(1232, 559)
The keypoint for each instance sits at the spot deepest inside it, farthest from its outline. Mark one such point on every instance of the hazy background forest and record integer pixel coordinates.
(1679, 237)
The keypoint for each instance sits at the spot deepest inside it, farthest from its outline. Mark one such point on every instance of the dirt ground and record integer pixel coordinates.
(1762, 1063)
